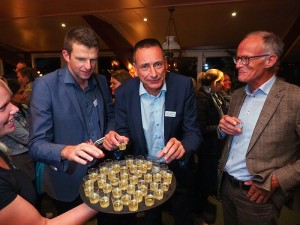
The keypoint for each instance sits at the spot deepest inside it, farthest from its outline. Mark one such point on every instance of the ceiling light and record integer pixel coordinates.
(172, 49)
(145, 19)
(233, 14)
(63, 25)
(171, 44)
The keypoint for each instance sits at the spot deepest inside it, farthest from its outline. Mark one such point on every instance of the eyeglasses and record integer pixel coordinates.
(156, 65)
(246, 59)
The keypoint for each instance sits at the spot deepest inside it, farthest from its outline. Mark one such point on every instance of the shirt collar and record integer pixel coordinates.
(265, 87)
(70, 80)
(143, 91)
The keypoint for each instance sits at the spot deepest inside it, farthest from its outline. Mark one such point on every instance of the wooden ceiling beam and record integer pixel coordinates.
(291, 38)
(114, 40)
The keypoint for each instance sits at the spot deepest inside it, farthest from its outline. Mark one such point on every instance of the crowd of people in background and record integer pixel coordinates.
(240, 146)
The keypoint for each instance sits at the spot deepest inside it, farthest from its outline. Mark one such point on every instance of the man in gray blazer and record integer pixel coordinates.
(70, 107)
(260, 165)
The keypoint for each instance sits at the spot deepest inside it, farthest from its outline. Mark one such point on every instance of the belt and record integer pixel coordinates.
(236, 183)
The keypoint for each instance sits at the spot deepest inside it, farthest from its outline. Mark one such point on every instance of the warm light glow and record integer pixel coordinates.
(131, 70)
(145, 19)
(233, 14)
(63, 25)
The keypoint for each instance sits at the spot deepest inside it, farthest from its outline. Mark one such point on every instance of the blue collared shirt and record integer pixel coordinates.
(249, 114)
(152, 109)
(87, 100)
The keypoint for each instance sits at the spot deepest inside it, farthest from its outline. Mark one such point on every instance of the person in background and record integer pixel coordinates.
(156, 112)
(26, 76)
(20, 65)
(17, 141)
(227, 88)
(70, 108)
(17, 195)
(211, 107)
(118, 77)
(260, 164)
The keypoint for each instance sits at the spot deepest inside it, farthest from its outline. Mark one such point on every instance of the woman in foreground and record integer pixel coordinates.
(17, 195)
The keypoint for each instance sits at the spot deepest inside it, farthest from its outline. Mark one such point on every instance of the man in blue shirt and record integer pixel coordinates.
(156, 112)
(70, 107)
(260, 163)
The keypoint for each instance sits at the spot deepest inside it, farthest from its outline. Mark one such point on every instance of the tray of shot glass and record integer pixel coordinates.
(127, 186)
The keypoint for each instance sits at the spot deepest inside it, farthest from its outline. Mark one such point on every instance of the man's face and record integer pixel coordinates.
(81, 62)
(255, 73)
(150, 66)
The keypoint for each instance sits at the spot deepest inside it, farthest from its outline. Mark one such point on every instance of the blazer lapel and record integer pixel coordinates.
(234, 110)
(273, 99)
(170, 105)
(137, 116)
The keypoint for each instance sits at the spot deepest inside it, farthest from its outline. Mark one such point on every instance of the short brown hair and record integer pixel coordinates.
(81, 35)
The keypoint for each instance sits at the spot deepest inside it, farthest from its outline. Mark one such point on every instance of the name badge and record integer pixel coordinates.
(95, 102)
(170, 114)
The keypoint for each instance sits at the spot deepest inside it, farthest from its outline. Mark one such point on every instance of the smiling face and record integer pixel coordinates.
(114, 84)
(226, 83)
(7, 111)
(257, 71)
(81, 62)
(150, 66)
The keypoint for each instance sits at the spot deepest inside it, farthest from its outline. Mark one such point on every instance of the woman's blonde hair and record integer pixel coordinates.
(3, 83)
(209, 77)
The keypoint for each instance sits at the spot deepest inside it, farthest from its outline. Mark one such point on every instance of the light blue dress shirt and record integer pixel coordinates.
(153, 109)
(249, 114)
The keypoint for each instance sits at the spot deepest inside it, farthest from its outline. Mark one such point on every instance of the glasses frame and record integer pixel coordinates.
(246, 59)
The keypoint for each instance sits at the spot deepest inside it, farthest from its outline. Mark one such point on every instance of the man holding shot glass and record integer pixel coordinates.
(156, 113)
(260, 162)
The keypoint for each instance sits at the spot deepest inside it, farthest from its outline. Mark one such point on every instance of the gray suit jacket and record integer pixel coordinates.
(275, 144)
(57, 121)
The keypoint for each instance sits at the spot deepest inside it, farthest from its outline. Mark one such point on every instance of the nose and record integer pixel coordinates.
(152, 71)
(88, 64)
(239, 64)
(13, 109)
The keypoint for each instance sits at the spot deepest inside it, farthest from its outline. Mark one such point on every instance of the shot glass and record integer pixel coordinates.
(168, 177)
(93, 173)
(164, 186)
(131, 189)
(133, 205)
(125, 198)
(149, 199)
(122, 146)
(153, 186)
(116, 192)
(94, 195)
(88, 189)
(107, 188)
(104, 199)
(129, 160)
(159, 194)
(117, 204)
(138, 195)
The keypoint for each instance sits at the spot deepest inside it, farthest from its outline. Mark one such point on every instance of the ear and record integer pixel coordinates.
(271, 61)
(66, 55)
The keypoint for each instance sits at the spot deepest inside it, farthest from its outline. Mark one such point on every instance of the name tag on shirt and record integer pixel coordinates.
(170, 114)
(95, 102)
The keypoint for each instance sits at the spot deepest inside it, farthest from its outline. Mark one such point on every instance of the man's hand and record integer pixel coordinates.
(173, 150)
(230, 125)
(113, 140)
(82, 153)
(259, 195)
